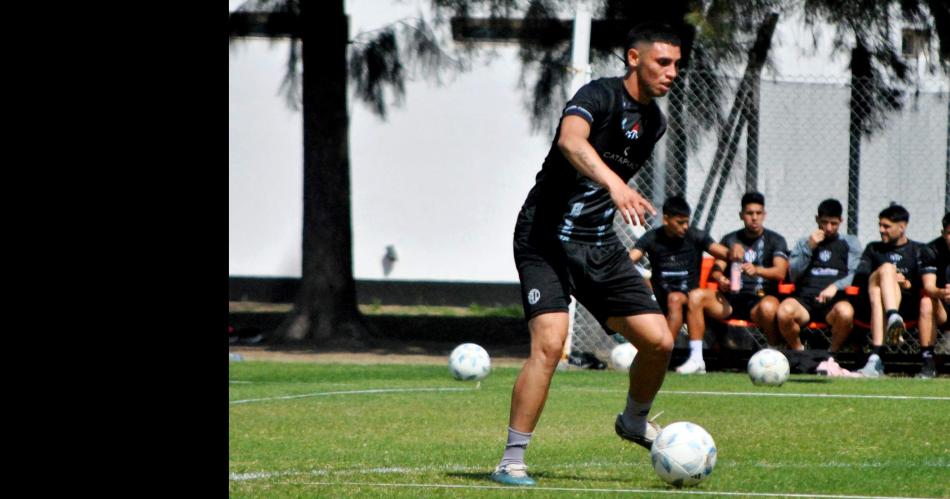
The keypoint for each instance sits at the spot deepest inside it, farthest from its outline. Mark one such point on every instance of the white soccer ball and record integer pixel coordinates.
(469, 362)
(683, 454)
(621, 357)
(768, 367)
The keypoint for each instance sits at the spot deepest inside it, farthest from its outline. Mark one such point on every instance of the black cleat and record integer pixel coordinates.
(645, 440)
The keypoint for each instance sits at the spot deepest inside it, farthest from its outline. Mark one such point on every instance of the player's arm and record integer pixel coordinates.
(718, 251)
(774, 273)
(854, 259)
(930, 286)
(799, 258)
(581, 154)
(636, 254)
(718, 272)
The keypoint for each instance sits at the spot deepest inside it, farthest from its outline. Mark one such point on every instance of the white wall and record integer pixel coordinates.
(441, 180)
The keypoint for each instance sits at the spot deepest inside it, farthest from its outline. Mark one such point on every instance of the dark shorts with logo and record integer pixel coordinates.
(742, 304)
(818, 312)
(602, 278)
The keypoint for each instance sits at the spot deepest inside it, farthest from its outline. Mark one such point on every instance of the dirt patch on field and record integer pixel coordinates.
(370, 357)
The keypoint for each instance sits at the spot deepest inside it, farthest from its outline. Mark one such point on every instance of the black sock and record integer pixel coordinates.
(927, 354)
(889, 313)
(876, 350)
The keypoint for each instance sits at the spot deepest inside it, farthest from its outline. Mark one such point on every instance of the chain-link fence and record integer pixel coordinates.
(798, 141)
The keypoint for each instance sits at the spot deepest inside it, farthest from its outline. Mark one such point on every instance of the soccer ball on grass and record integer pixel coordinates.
(768, 367)
(683, 454)
(469, 362)
(621, 357)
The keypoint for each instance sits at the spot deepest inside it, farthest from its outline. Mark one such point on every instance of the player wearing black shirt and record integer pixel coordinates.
(890, 272)
(564, 244)
(675, 251)
(935, 278)
(821, 265)
(762, 256)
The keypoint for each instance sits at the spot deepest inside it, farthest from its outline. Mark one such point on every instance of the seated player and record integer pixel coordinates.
(675, 251)
(935, 278)
(890, 272)
(760, 258)
(821, 265)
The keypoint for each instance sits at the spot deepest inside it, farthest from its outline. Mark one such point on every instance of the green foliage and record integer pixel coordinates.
(406, 443)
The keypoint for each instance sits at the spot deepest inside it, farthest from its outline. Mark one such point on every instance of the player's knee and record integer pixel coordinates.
(844, 311)
(786, 311)
(768, 307)
(696, 299)
(676, 300)
(926, 308)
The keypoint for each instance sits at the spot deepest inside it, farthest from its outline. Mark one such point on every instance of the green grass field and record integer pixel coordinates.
(341, 430)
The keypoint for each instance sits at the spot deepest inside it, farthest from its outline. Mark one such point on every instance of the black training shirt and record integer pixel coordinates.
(937, 260)
(623, 132)
(759, 251)
(676, 262)
(906, 258)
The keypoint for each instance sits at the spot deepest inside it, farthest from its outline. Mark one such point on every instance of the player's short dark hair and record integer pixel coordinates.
(752, 197)
(895, 213)
(946, 220)
(652, 31)
(676, 206)
(830, 208)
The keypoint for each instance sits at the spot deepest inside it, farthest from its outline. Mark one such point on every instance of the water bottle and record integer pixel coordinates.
(735, 277)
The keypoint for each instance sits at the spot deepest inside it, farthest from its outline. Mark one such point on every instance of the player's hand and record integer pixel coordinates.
(749, 269)
(903, 281)
(946, 294)
(631, 205)
(815, 238)
(737, 253)
(723, 282)
(827, 294)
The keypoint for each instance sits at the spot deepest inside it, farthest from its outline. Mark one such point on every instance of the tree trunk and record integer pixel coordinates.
(325, 312)
(860, 107)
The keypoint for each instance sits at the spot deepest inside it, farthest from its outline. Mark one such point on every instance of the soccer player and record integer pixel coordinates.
(762, 255)
(890, 271)
(564, 243)
(675, 251)
(821, 265)
(935, 278)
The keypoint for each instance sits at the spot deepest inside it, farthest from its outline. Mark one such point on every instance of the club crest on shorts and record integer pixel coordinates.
(533, 296)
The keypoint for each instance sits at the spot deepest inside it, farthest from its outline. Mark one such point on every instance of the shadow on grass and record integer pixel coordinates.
(537, 475)
(810, 380)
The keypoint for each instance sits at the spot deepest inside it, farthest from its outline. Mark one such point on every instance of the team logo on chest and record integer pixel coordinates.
(894, 257)
(824, 255)
(631, 127)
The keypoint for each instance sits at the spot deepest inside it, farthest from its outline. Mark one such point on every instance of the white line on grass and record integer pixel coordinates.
(350, 392)
(609, 491)
(799, 395)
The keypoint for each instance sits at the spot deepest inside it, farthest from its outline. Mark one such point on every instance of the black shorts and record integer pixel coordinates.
(742, 304)
(818, 312)
(602, 278)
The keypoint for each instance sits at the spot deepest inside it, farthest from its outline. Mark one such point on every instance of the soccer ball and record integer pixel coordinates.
(469, 362)
(622, 356)
(683, 454)
(768, 367)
